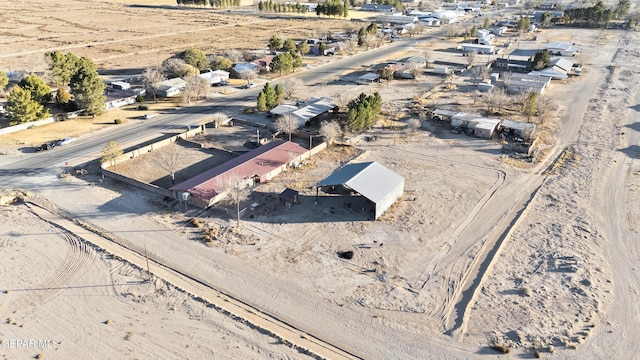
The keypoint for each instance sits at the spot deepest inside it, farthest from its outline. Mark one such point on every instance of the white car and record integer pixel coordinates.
(66, 141)
(251, 86)
(149, 116)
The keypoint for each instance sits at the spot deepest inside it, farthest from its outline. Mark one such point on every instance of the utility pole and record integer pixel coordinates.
(146, 255)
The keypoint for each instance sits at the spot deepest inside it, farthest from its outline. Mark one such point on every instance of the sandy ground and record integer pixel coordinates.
(477, 252)
(48, 274)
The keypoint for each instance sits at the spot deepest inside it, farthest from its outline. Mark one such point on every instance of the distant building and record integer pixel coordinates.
(378, 8)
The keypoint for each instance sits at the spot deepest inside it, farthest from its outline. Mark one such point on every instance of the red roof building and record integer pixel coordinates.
(256, 166)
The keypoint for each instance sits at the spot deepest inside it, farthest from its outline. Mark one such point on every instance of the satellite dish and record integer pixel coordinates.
(186, 196)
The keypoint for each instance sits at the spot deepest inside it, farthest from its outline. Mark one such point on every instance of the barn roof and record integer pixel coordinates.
(257, 162)
(371, 179)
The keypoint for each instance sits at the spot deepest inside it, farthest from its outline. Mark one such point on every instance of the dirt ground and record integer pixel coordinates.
(136, 37)
(562, 278)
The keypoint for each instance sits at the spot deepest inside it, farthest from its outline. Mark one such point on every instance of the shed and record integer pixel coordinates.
(375, 182)
(367, 78)
(288, 197)
(485, 127)
(440, 114)
(523, 130)
(464, 120)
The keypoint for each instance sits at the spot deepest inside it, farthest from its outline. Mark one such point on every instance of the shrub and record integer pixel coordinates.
(139, 98)
(107, 322)
(537, 354)
(143, 107)
(40, 356)
(501, 348)
(525, 291)
(118, 121)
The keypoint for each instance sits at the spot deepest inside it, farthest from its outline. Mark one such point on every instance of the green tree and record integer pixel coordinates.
(88, 88)
(541, 59)
(296, 59)
(110, 153)
(40, 91)
(21, 107)
(363, 110)
(524, 23)
(62, 96)
(473, 32)
(345, 8)
(275, 43)
(622, 9)
(546, 18)
(4, 81)
(195, 58)
(303, 48)
(270, 95)
(487, 23)
(321, 48)
(63, 66)
(530, 106)
(262, 102)
(221, 63)
(279, 94)
(372, 29)
(289, 45)
(283, 62)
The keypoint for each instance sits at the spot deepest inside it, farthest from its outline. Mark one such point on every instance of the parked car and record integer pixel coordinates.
(65, 141)
(221, 83)
(251, 86)
(149, 116)
(46, 146)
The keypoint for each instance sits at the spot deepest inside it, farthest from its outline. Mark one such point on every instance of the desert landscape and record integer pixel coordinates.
(483, 252)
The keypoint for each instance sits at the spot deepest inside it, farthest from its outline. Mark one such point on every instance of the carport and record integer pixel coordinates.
(378, 184)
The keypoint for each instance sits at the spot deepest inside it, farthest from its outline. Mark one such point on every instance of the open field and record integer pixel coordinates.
(122, 37)
(476, 253)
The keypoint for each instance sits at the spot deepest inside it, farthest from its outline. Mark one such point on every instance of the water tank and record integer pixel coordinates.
(186, 196)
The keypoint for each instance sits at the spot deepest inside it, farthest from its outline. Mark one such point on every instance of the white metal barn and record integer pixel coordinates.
(378, 184)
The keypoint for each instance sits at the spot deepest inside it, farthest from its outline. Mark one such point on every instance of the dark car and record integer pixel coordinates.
(221, 83)
(46, 146)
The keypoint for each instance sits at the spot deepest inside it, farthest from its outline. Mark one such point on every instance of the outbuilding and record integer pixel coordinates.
(371, 180)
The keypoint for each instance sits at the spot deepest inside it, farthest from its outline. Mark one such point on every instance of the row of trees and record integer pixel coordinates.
(27, 100)
(81, 74)
(598, 14)
(212, 3)
(270, 6)
(333, 8)
(269, 97)
(277, 44)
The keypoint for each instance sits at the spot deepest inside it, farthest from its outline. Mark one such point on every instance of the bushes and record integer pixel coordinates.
(143, 107)
(118, 121)
(139, 99)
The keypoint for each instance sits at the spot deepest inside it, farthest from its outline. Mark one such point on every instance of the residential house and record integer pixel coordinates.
(215, 76)
(119, 98)
(528, 83)
(378, 8)
(171, 87)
